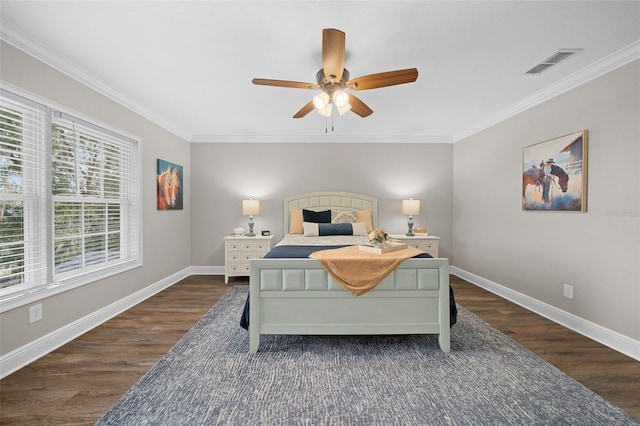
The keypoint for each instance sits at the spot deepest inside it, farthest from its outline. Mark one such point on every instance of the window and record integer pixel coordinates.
(69, 208)
(22, 188)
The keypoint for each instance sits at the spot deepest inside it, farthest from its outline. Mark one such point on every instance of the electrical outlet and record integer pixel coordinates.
(35, 313)
(568, 291)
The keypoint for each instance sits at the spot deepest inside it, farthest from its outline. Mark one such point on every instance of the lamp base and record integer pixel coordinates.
(250, 233)
(410, 231)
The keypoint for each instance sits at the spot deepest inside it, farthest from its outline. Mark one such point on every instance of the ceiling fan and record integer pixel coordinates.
(333, 79)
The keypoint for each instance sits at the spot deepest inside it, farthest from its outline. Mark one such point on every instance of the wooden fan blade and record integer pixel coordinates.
(333, 42)
(305, 110)
(359, 107)
(285, 83)
(383, 79)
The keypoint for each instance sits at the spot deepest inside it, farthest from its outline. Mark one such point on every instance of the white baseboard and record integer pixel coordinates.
(206, 270)
(610, 338)
(30, 352)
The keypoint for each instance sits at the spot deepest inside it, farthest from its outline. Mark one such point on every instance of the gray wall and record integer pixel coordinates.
(535, 253)
(166, 248)
(224, 174)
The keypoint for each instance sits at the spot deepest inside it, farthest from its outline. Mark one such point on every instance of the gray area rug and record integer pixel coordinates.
(209, 378)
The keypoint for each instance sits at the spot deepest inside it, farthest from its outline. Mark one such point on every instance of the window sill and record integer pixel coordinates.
(13, 301)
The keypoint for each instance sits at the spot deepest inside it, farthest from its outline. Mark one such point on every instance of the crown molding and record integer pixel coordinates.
(591, 72)
(320, 139)
(13, 37)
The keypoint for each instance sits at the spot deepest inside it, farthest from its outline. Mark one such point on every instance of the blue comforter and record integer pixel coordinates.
(303, 252)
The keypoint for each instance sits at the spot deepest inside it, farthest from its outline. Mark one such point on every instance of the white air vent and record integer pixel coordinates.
(552, 60)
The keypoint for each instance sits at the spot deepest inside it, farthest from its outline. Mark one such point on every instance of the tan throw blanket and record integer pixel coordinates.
(359, 271)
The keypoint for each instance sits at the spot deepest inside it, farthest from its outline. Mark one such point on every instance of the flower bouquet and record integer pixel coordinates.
(378, 237)
(379, 242)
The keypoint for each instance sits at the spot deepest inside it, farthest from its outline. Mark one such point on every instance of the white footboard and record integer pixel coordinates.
(297, 296)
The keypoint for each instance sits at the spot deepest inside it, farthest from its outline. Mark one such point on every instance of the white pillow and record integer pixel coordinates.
(359, 228)
(310, 229)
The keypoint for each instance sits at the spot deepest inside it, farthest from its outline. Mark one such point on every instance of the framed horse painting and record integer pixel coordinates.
(554, 174)
(170, 187)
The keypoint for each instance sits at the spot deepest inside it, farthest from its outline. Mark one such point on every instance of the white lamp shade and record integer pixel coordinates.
(411, 206)
(250, 207)
(326, 111)
(344, 108)
(340, 98)
(321, 101)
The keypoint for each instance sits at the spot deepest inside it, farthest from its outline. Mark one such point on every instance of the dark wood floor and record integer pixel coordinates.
(77, 383)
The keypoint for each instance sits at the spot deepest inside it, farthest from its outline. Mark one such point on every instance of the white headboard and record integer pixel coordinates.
(330, 200)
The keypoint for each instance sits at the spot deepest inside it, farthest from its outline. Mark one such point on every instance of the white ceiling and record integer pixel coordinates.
(188, 65)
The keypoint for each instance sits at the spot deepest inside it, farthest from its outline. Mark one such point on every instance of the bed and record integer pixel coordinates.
(296, 295)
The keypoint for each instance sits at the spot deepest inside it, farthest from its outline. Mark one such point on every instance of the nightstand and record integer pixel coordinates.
(428, 243)
(238, 251)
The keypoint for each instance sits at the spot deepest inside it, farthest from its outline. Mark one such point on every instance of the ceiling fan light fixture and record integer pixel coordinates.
(321, 101)
(340, 98)
(344, 108)
(326, 111)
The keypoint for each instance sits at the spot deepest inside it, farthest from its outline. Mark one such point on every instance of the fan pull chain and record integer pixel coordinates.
(326, 124)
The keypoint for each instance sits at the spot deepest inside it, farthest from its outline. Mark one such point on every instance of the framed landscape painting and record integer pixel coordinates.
(554, 174)
(170, 187)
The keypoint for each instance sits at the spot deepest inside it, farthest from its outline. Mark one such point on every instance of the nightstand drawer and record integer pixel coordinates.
(248, 256)
(414, 244)
(261, 247)
(426, 243)
(238, 268)
(427, 246)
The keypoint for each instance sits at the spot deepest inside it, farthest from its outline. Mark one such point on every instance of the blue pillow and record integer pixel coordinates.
(316, 217)
(335, 229)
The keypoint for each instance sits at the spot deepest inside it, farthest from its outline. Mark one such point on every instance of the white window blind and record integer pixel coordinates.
(69, 207)
(23, 194)
(94, 194)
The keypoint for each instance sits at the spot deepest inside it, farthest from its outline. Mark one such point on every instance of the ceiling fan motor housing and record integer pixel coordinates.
(330, 85)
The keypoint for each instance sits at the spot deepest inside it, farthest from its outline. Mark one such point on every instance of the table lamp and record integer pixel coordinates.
(250, 207)
(410, 207)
